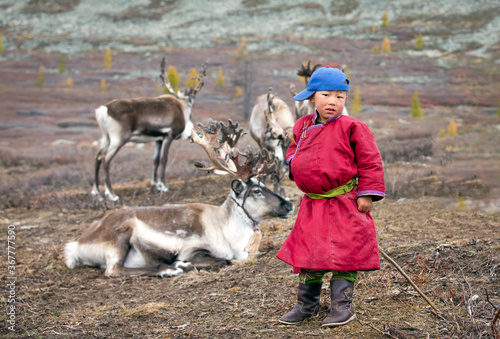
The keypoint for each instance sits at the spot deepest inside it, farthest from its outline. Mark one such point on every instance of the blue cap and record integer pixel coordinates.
(324, 79)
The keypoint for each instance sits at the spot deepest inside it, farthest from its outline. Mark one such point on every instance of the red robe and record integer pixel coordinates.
(331, 234)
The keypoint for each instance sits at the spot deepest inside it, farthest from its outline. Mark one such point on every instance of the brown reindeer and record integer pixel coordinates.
(171, 239)
(141, 120)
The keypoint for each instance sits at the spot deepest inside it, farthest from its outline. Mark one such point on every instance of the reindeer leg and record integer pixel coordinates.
(145, 259)
(203, 259)
(95, 188)
(111, 152)
(160, 185)
(98, 160)
(156, 161)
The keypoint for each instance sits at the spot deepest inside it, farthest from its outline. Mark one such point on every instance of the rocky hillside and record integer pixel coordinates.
(276, 26)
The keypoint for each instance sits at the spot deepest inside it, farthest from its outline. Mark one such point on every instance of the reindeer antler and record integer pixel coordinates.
(306, 72)
(225, 157)
(270, 98)
(166, 84)
(201, 75)
(194, 90)
(269, 114)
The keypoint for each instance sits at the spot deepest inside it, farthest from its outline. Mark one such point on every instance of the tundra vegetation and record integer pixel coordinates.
(439, 221)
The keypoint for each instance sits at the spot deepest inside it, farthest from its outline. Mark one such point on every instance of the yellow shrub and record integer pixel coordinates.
(241, 51)
(461, 204)
(107, 59)
(452, 129)
(192, 79)
(220, 81)
(386, 45)
(385, 20)
(62, 64)
(1, 43)
(347, 71)
(40, 81)
(173, 78)
(356, 102)
(419, 44)
(415, 110)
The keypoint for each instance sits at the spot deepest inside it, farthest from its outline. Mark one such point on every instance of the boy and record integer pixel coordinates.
(335, 161)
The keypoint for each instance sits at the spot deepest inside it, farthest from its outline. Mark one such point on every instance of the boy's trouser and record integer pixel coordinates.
(307, 276)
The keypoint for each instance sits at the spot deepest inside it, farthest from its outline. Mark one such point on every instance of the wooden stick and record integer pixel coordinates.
(389, 259)
(493, 326)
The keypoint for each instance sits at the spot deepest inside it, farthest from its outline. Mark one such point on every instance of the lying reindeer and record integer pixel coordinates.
(171, 239)
(161, 119)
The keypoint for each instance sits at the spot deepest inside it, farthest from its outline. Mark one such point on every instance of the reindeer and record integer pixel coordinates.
(271, 122)
(172, 239)
(141, 120)
(306, 107)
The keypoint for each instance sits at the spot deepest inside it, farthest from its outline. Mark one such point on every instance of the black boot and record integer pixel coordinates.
(307, 304)
(341, 309)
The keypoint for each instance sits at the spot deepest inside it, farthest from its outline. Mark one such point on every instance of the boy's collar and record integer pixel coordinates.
(316, 121)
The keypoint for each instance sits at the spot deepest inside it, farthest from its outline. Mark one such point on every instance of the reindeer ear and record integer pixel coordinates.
(237, 186)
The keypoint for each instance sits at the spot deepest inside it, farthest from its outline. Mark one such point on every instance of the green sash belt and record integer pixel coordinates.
(334, 192)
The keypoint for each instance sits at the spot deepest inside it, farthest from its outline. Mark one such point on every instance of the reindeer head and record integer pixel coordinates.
(274, 131)
(251, 195)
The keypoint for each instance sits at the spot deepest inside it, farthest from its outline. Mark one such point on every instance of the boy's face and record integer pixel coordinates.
(329, 104)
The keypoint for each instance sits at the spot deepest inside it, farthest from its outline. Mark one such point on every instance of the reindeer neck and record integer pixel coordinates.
(236, 213)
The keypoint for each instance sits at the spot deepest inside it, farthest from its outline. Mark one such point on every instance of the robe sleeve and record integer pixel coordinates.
(292, 148)
(369, 162)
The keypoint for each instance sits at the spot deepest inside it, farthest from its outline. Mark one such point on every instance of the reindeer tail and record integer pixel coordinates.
(71, 254)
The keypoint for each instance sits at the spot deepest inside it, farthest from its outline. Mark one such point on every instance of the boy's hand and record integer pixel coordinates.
(364, 204)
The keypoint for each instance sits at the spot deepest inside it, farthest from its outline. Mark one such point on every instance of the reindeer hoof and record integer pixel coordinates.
(184, 265)
(112, 197)
(161, 187)
(96, 195)
(171, 272)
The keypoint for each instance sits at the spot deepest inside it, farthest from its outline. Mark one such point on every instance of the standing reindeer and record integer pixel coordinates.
(141, 120)
(305, 107)
(172, 239)
(270, 123)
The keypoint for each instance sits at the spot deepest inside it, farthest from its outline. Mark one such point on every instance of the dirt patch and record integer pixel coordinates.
(451, 255)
